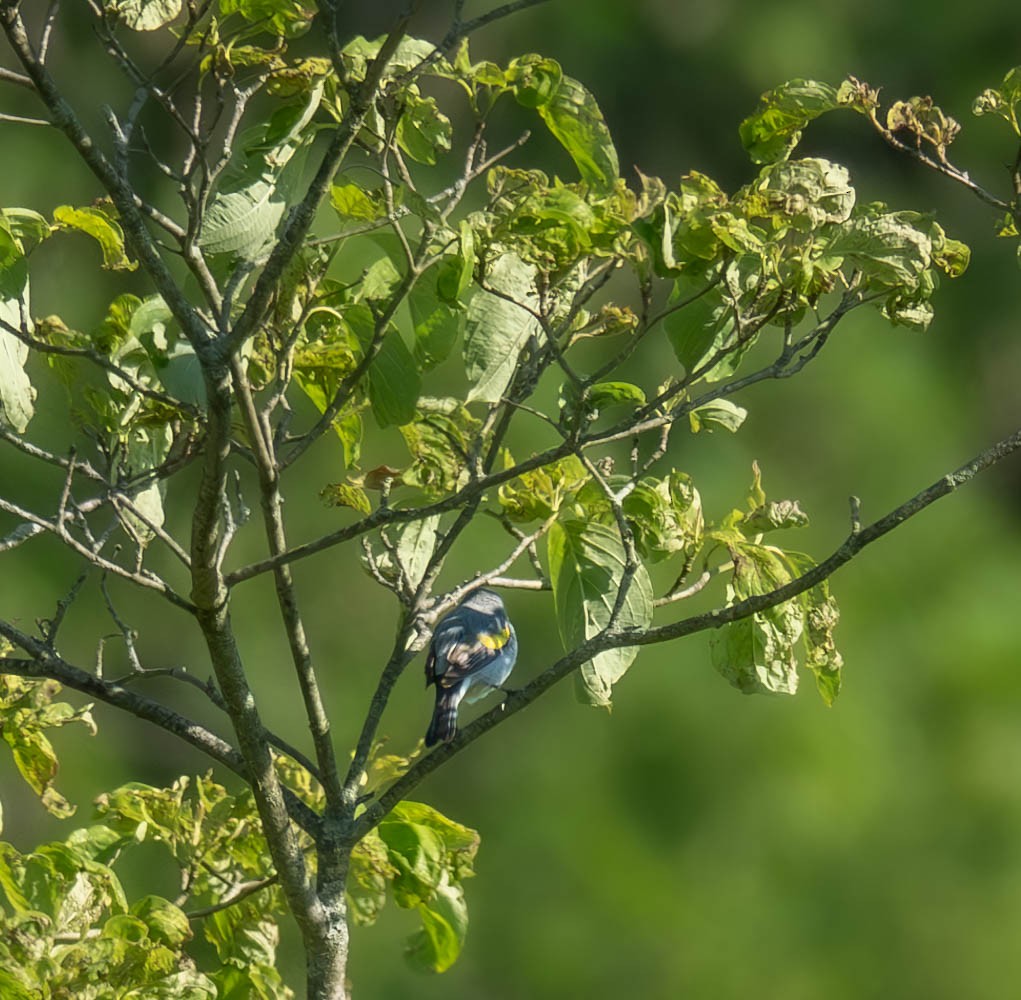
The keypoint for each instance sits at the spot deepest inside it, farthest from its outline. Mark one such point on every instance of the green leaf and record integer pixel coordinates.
(258, 186)
(535, 80)
(439, 439)
(146, 446)
(416, 852)
(757, 654)
(720, 413)
(285, 18)
(186, 985)
(542, 492)
(774, 129)
(666, 516)
(368, 877)
(803, 194)
(821, 617)
(27, 226)
(423, 130)
(394, 382)
(774, 515)
(27, 709)
(414, 544)
(346, 495)
(597, 398)
(12, 989)
(497, 328)
(1002, 102)
(143, 15)
(587, 563)
(701, 330)
(455, 273)
(103, 227)
(437, 945)
(16, 393)
(575, 121)
(167, 923)
(436, 324)
(350, 201)
(889, 248)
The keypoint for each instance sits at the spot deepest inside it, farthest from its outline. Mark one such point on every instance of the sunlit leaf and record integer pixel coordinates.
(774, 129)
(498, 326)
(587, 563)
(143, 15)
(17, 396)
(102, 227)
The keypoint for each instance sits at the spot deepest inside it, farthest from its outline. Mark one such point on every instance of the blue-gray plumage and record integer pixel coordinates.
(473, 650)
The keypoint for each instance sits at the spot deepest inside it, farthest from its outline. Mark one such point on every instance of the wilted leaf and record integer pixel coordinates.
(587, 563)
(540, 493)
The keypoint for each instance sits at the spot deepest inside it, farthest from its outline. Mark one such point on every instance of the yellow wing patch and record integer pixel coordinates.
(495, 640)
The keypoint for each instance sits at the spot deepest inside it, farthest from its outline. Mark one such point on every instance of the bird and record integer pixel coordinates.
(472, 649)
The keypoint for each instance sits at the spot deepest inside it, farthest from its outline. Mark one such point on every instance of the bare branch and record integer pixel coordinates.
(241, 891)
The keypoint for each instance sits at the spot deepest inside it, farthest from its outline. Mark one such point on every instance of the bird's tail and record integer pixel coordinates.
(444, 721)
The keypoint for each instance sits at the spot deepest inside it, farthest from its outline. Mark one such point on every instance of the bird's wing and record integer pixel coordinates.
(472, 652)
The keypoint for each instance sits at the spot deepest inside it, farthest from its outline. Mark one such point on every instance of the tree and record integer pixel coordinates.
(314, 267)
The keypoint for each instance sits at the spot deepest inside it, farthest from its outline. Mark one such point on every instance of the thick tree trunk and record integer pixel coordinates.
(326, 963)
(326, 950)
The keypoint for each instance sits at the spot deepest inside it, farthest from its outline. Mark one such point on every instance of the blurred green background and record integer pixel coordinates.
(695, 842)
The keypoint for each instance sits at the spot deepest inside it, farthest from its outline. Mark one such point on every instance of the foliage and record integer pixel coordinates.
(337, 282)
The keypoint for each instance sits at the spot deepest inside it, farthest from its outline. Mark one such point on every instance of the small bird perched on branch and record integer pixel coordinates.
(473, 647)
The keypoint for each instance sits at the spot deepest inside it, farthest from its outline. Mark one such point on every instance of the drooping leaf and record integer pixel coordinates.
(17, 396)
(774, 128)
(286, 18)
(757, 654)
(497, 327)
(143, 15)
(27, 710)
(422, 129)
(701, 331)
(891, 248)
(146, 447)
(394, 382)
(436, 323)
(369, 875)
(346, 495)
(103, 227)
(542, 492)
(720, 413)
(350, 201)
(437, 945)
(439, 438)
(587, 563)
(257, 188)
(455, 273)
(574, 119)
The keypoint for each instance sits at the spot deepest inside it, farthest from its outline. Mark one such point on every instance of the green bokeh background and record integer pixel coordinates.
(695, 842)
